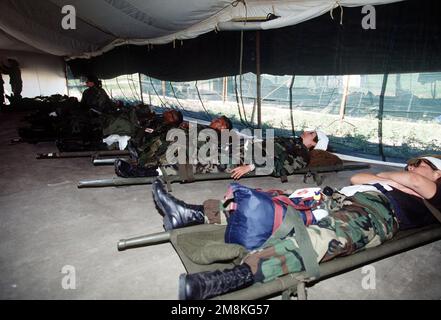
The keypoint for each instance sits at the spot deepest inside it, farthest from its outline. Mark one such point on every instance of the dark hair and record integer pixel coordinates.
(316, 139)
(228, 122)
(180, 116)
(177, 116)
(13, 62)
(94, 79)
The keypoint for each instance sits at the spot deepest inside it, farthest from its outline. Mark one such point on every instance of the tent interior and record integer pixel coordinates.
(364, 71)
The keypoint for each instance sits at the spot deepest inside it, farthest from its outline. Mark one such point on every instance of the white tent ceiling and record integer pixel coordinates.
(104, 24)
(10, 43)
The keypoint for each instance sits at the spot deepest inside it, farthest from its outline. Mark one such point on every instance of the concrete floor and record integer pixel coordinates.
(47, 224)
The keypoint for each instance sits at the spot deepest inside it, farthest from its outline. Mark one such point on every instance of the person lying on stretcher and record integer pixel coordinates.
(289, 154)
(363, 215)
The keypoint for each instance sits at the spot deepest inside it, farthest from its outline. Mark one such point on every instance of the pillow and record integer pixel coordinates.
(322, 158)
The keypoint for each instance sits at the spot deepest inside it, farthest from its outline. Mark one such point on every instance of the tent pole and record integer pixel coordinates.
(140, 87)
(163, 89)
(258, 82)
(344, 97)
(224, 89)
(380, 117)
(290, 104)
(67, 79)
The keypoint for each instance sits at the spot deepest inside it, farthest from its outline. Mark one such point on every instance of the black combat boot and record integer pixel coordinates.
(133, 151)
(126, 170)
(203, 285)
(177, 213)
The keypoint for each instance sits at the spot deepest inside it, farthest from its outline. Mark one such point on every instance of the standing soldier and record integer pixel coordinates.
(95, 97)
(11, 67)
(2, 90)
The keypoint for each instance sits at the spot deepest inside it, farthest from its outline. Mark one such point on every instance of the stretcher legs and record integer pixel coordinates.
(105, 162)
(143, 241)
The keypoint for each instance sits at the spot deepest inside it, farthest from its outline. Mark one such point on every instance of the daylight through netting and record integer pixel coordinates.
(348, 108)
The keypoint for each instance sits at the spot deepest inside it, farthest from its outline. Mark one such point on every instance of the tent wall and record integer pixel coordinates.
(41, 74)
(406, 39)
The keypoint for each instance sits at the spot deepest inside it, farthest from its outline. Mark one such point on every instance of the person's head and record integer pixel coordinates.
(173, 117)
(315, 139)
(92, 81)
(13, 63)
(427, 166)
(221, 123)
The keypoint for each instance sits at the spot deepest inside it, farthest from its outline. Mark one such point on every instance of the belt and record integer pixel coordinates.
(393, 203)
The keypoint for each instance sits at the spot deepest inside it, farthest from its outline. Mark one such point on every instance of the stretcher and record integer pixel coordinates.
(295, 283)
(98, 161)
(187, 177)
(82, 154)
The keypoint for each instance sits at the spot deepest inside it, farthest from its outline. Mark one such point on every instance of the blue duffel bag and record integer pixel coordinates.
(258, 214)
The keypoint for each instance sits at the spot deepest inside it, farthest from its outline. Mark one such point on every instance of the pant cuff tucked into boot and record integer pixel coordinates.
(212, 211)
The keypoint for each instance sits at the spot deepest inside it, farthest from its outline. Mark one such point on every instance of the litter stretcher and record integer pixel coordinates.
(186, 176)
(292, 284)
(82, 154)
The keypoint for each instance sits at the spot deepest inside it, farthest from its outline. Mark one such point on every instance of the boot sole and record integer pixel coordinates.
(157, 202)
(118, 171)
(167, 223)
(182, 281)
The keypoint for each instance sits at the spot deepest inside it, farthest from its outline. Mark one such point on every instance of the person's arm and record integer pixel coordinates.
(366, 178)
(240, 171)
(245, 168)
(369, 178)
(421, 185)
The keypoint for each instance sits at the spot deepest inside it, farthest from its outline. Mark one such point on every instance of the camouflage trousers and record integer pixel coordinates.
(154, 154)
(364, 220)
(2, 91)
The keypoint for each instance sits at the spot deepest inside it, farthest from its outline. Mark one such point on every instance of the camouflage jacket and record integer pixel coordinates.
(96, 98)
(290, 154)
(153, 151)
(153, 146)
(124, 123)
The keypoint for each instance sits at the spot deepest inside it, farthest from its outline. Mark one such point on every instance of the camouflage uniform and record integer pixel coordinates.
(15, 80)
(155, 148)
(96, 98)
(123, 124)
(355, 223)
(2, 92)
(290, 154)
(366, 220)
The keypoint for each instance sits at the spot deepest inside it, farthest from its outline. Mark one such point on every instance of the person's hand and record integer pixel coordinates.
(184, 125)
(238, 172)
